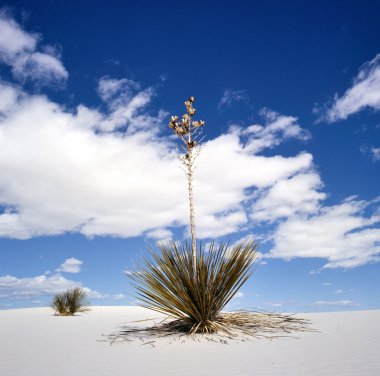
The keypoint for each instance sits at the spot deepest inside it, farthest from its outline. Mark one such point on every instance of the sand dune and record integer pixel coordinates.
(33, 342)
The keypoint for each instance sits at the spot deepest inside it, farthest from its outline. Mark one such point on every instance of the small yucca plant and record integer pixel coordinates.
(169, 283)
(70, 302)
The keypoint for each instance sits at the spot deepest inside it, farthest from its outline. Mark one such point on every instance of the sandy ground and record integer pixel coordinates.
(33, 342)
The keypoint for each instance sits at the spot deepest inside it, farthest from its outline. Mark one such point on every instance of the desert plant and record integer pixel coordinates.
(186, 282)
(59, 304)
(167, 282)
(70, 302)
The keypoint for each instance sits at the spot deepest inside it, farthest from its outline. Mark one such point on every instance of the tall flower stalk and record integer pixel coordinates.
(189, 132)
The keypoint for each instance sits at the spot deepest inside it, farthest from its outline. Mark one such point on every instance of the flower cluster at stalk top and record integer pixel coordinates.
(187, 129)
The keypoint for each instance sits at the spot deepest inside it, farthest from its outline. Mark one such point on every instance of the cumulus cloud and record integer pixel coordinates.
(110, 171)
(66, 171)
(9, 96)
(344, 234)
(12, 287)
(31, 287)
(18, 49)
(70, 265)
(288, 197)
(230, 96)
(364, 93)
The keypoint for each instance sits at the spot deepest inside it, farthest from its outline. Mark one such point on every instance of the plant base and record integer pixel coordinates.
(235, 326)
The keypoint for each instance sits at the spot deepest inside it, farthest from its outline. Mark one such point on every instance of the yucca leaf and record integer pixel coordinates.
(168, 282)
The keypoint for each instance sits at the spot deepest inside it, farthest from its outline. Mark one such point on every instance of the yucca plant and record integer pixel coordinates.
(59, 304)
(168, 283)
(182, 280)
(70, 302)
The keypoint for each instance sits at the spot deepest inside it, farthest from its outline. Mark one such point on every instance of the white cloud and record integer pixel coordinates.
(343, 234)
(9, 96)
(230, 96)
(118, 296)
(14, 40)
(326, 284)
(277, 129)
(160, 234)
(126, 101)
(18, 288)
(238, 295)
(375, 152)
(122, 90)
(339, 291)
(347, 303)
(37, 302)
(70, 265)
(12, 287)
(40, 67)
(62, 173)
(18, 49)
(372, 152)
(314, 272)
(364, 93)
(288, 197)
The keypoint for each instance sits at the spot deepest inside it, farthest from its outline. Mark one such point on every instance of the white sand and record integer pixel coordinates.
(33, 342)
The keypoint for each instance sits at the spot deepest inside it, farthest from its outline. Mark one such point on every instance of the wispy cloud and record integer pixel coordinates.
(277, 129)
(70, 265)
(114, 91)
(337, 303)
(375, 152)
(19, 49)
(159, 234)
(126, 102)
(230, 96)
(364, 93)
(238, 295)
(371, 152)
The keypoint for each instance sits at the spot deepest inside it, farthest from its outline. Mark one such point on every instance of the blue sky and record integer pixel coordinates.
(89, 175)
